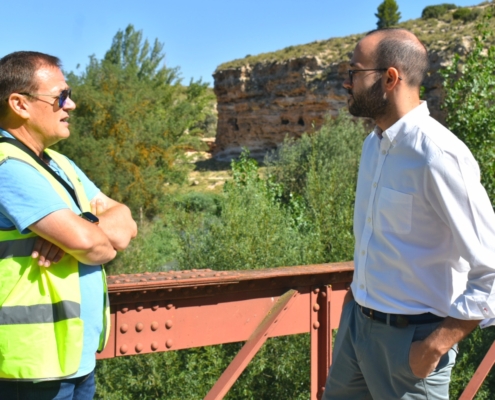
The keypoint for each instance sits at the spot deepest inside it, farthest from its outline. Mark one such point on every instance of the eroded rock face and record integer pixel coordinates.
(259, 105)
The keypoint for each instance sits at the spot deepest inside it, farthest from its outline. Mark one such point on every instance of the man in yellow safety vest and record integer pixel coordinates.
(56, 231)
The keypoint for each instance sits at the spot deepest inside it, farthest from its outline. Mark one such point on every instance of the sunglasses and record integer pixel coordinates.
(62, 97)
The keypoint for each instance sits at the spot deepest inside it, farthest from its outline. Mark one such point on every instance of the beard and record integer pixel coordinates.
(369, 103)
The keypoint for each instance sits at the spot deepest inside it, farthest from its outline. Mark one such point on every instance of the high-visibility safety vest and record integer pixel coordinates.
(41, 330)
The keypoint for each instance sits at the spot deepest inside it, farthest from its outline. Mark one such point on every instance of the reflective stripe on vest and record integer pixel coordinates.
(41, 333)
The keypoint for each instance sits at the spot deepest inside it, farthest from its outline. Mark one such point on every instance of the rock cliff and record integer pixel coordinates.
(260, 101)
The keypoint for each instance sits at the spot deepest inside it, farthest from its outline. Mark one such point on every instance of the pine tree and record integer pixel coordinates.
(388, 14)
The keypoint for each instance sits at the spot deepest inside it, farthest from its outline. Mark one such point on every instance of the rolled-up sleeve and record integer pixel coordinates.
(457, 196)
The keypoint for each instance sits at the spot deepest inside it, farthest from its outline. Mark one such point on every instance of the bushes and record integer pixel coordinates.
(437, 11)
(466, 14)
(469, 87)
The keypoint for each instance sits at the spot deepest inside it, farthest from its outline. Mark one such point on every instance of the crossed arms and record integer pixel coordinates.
(63, 231)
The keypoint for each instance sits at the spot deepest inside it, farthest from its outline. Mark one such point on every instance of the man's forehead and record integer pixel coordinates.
(48, 75)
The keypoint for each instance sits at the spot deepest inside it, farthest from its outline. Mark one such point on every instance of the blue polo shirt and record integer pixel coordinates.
(26, 196)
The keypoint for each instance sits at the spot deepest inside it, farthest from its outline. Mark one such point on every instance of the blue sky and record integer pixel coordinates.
(198, 35)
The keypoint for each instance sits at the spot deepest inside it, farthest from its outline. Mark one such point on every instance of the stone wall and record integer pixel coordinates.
(258, 105)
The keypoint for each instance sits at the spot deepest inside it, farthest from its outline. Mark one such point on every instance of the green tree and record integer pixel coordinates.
(388, 14)
(131, 121)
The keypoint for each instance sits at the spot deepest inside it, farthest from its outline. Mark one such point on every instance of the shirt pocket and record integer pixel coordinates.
(394, 211)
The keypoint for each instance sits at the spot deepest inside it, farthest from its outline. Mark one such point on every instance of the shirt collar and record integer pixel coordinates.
(6, 134)
(398, 130)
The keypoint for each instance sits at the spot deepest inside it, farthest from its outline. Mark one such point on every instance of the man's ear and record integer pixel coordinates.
(392, 78)
(19, 105)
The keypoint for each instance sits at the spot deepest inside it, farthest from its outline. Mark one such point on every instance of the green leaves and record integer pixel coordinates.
(469, 102)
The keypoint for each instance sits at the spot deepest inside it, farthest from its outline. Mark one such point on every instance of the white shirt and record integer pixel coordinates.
(423, 223)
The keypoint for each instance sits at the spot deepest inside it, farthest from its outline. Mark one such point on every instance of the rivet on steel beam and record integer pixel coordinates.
(154, 346)
(117, 294)
(124, 328)
(316, 291)
(177, 276)
(316, 307)
(117, 281)
(169, 278)
(193, 276)
(139, 308)
(169, 343)
(127, 280)
(161, 273)
(139, 327)
(316, 325)
(202, 275)
(208, 270)
(216, 275)
(186, 271)
(139, 348)
(324, 294)
(194, 270)
(169, 306)
(139, 274)
(154, 326)
(195, 287)
(152, 278)
(155, 307)
(122, 274)
(124, 310)
(145, 291)
(146, 273)
(143, 280)
(169, 290)
(123, 349)
(168, 324)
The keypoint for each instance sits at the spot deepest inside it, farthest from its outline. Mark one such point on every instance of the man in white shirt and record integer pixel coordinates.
(425, 236)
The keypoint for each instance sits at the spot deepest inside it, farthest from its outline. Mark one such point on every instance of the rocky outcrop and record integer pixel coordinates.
(259, 105)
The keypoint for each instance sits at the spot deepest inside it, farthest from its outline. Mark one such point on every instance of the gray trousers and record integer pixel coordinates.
(371, 361)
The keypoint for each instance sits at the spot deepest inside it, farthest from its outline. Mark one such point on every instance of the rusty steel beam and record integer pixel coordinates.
(251, 347)
(480, 375)
(173, 310)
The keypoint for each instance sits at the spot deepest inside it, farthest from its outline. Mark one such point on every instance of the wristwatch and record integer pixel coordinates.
(90, 217)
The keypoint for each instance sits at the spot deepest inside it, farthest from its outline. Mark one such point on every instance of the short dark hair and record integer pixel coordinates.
(399, 49)
(17, 72)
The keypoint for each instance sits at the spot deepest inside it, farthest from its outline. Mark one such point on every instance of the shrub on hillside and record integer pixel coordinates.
(437, 11)
(466, 14)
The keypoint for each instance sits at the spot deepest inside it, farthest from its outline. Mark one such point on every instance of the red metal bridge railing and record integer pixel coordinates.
(174, 310)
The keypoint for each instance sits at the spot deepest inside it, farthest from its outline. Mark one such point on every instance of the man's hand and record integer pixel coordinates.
(425, 355)
(46, 252)
(421, 360)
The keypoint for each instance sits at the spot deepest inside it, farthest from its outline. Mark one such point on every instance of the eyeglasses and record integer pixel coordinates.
(353, 71)
(62, 97)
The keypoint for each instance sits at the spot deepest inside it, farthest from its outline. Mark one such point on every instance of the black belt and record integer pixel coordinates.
(399, 320)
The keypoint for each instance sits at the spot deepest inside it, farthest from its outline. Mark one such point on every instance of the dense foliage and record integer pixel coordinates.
(470, 87)
(388, 14)
(131, 120)
(466, 14)
(437, 10)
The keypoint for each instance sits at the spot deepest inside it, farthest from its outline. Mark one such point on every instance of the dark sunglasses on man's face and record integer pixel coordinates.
(62, 97)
